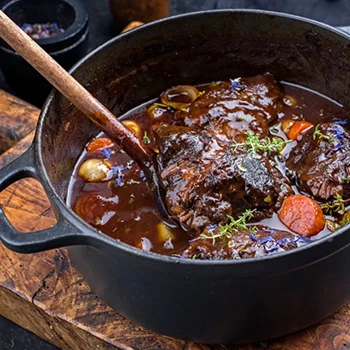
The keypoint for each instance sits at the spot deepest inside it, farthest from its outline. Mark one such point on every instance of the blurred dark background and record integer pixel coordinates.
(103, 27)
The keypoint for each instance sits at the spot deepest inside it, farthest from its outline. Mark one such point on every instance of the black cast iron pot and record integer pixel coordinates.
(66, 48)
(206, 301)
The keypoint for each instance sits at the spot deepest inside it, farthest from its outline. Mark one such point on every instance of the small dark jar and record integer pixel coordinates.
(66, 47)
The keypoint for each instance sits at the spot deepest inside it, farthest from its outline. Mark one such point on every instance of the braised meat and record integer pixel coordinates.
(243, 244)
(230, 109)
(205, 180)
(320, 162)
(248, 167)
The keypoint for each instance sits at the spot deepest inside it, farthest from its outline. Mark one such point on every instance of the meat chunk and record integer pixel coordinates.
(230, 109)
(320, 162)
(205, 180)
(243, 244)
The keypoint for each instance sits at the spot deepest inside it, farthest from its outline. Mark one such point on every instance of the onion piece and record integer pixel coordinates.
(164, 232)
(133, 127)
(188, 92)
(290, 101)
(156, 112)
(286, 125)
(95, 170)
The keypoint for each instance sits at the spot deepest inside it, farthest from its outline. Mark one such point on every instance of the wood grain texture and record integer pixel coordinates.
(17, 119)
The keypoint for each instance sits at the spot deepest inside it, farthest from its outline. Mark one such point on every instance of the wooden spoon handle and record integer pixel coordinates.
(73, 91)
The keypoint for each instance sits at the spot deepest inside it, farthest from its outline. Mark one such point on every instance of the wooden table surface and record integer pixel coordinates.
(45, 294)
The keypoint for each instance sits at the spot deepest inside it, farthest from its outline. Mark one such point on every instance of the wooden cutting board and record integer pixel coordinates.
(45, 294)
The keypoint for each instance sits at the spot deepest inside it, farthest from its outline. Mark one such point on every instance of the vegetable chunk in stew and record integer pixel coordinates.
(249, 167)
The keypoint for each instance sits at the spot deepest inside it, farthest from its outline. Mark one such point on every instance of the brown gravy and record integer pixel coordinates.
(122, 207)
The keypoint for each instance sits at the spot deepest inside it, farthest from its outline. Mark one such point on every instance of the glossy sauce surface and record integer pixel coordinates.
(121, 205)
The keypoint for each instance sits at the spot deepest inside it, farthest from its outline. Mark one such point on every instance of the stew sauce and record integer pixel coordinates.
(109, 191)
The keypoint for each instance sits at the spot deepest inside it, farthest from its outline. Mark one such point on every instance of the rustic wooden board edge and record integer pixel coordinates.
(18, 119)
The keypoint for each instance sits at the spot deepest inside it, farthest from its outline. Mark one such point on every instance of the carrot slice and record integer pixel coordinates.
(99, 144)
(302, 215)
(298, 128)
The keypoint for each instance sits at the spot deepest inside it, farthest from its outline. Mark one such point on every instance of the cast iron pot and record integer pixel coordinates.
(205, 301)
(66, 48)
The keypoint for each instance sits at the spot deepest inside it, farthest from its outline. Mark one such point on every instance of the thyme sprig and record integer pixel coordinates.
(169, 105)
(266, 144)
(345, 221)
(234, 225)
(320, 136)
(336, 205)
(146, 140)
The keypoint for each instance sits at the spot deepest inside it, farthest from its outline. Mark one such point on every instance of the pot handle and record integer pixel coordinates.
(64, 233)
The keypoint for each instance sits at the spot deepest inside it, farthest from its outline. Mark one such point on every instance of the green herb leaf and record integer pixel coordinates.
(266, 144)
(234, 225)
(320, 136)
(345, 221)
(164, 106)
(336, 205)
(146, 140)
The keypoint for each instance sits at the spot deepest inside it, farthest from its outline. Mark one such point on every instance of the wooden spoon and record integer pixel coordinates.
(86, 103)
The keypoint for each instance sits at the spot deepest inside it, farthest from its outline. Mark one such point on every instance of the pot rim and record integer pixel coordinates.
(102, 237)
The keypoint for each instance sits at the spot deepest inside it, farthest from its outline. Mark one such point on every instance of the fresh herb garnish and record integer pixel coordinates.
(118, 170)
(236, 84)
(336, 205)
(164, 106)
(106, 152)
(339, 131)
(146, 139)
(235, 225)
(345, 221)
(266, 144)
(142, 175)
(320, 136)
(346, 179)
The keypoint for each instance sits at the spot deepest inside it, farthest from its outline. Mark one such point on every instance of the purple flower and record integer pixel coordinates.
(341, 122)
(106, 152)
(252, 237)
(142, 175)
(338, 131)
(305, 239)
(212, 227)
(282, 242)
(337, 147)
(270, 230)
(293, 241)
(267, 239)
(236, 84)
(301, 239)
(273, 249)
(118, 170)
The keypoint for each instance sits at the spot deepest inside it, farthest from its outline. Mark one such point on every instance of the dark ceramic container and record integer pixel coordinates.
(206, 301)
(66, 48)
